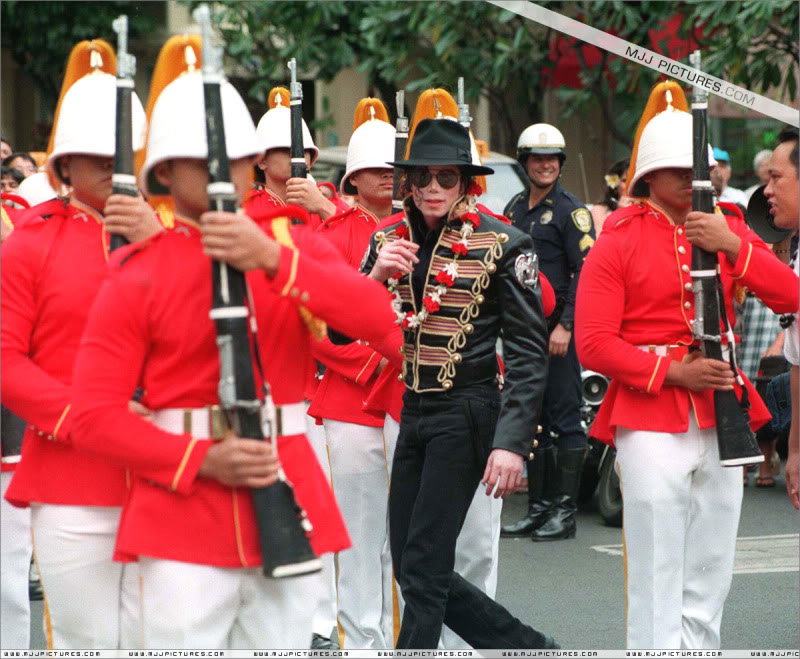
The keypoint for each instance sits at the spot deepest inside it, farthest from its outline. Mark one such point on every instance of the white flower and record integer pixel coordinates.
(452, 269)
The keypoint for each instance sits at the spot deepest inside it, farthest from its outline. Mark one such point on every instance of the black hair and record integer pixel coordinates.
(13, 172)
(791, 134)
(20, 154)
(611, 196)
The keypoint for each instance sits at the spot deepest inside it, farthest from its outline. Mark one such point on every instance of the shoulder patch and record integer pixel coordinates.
(582, 219)
(526, 269)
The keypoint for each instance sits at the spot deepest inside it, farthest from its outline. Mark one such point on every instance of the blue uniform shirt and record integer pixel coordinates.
(563, 232)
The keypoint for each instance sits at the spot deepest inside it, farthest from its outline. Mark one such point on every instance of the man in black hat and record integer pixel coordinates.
(460, 279)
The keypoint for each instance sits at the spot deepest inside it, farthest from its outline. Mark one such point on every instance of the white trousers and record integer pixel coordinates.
(325, 612)
(91, 602)
(360, 477)
(185, 605)
(478, 544)
(681, 518)
(15, 563)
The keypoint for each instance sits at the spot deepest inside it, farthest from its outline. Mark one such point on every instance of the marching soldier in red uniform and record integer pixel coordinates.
(359, 457)
(189, 518)
(53, 264)
(280, 188)
(635, 310)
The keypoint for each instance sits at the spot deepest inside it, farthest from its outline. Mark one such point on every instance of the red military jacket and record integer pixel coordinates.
(350, 369)
(151, 321)
(52, 266)
(262, 201)
(636, 290)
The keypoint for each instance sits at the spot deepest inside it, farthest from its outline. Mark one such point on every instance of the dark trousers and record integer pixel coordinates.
(561, 408)
(444, 442)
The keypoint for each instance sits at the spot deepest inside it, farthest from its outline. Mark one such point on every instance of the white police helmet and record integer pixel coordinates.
(542, 139)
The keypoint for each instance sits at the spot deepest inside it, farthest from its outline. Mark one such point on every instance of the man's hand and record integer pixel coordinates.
(397, 256)
(137, 408)
(304, 192)
(711, 232)
(503, 473)
(130, 217)
(235, 239)
(237, 462)
(698, 373)
(559, 340)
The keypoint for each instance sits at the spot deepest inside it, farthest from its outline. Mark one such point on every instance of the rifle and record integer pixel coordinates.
(282, 524)
(463, 109)
(299, 167)
(123, 180)
(400, 142)
(737, 443)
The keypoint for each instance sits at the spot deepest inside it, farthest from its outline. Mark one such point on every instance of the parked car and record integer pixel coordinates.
(508, 179)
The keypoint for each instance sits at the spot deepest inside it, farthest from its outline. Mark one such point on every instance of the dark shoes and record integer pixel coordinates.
(537, 515)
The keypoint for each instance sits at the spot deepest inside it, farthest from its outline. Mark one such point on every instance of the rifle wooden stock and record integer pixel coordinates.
(736, 441)
(123, 180)
(282, 524)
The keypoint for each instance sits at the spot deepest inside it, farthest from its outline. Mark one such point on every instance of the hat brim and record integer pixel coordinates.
(470, 169)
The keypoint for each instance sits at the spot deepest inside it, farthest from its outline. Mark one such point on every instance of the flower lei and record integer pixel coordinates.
(465, 210)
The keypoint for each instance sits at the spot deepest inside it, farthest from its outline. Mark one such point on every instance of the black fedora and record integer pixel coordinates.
(441, 142)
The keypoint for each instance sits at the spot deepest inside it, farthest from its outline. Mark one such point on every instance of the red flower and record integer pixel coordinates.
(402, 231)
(475, 189)
(459, 248)
(398, 276)
(405, 324)
(430, 304)
(473, 218)
(444, 278)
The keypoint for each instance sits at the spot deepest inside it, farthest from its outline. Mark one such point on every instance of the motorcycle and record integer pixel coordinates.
(599, 479)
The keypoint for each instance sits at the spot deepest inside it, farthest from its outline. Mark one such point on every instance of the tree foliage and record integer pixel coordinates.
(413, 45)
(40, 35)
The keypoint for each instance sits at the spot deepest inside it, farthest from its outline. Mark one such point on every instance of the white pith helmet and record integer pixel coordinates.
(274, 130)
(371, 147)
(36, 189)
(178, 127)
(87, 120)
(666, 142)
(543, 139)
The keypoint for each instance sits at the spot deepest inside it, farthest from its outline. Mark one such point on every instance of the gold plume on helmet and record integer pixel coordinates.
(278, 96)
(369, 109)
(85, 58)
(664, 95)
(179, 55)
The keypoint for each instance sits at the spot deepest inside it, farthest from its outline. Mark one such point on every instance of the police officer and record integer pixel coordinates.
(563, 232)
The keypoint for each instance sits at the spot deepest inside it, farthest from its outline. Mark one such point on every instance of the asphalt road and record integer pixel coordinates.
(574, 589)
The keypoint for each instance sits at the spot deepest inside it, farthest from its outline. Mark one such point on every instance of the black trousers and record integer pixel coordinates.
(442, 448)
(563, 396)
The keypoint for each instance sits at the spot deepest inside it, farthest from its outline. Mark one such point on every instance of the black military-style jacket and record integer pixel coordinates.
(495, 295)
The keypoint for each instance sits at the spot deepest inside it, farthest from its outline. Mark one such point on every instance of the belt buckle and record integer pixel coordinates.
(217, 422)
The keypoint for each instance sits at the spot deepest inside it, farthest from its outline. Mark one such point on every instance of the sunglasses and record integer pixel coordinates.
(421, 177)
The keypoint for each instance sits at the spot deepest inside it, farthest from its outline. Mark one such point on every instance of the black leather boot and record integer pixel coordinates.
(561, 523)
(541, 471)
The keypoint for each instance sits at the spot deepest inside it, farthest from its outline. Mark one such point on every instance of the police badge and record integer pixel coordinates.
(526, 268)
(582, 219)
(547, 216)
